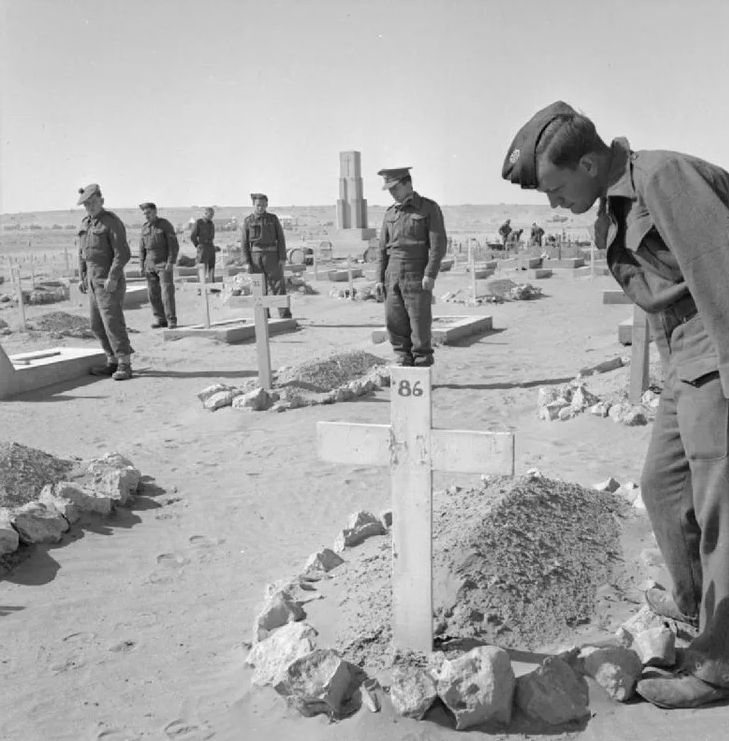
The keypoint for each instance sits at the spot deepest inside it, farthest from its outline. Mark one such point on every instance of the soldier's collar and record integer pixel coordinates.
(413, 200)
(620, 179)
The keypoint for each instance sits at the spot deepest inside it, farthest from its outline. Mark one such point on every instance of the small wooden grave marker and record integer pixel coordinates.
(203, 282)
(261, 304)
(18, 286)
(639, 355)
(413, 450)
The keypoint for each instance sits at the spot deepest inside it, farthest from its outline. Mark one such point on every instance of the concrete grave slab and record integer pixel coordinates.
(35, 370)
(229, 331)
(625, 332)
(615, 296)
(447, 329)
(566, 262)
(539, 273)
(134, 296)
(339, 276)
(527, 263)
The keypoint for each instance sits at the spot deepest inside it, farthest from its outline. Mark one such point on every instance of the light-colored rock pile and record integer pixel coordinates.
(240, 285)
(5, 328)
(568, 400)
(359, 292)
(47, 495)
(339, 377)
(463, 296)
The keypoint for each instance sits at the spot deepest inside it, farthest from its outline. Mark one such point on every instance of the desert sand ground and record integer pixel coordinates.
(133, 628)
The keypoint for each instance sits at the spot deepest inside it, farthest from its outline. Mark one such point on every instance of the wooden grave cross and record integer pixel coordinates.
(414, 449)
(261, 304)
(202, 278)
(18, 286)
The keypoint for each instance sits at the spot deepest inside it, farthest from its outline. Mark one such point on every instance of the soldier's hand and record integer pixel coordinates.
(169, 267)
(82, 287)
(428, 283)
(110, 285)
(380, 291)
(249, 268)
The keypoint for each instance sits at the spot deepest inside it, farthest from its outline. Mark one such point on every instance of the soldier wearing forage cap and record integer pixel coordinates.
(664, 219)
(158, 249)
(103, 253)
(412, 244)
(264, 248)
(203, 237)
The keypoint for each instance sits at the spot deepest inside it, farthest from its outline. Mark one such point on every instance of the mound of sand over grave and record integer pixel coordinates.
(25, 471)
(517, 563)
(62, 324)
(328, 372)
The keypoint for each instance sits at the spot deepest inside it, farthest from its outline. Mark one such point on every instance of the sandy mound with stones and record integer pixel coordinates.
(517, 563)
(61, 324)
(336, 377)
(25, 471)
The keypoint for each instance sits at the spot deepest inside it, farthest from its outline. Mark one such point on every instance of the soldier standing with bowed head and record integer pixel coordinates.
(158, 250)
(103, 253)
(264, 248)
(664, 219)
(203, 237)
(412, 245)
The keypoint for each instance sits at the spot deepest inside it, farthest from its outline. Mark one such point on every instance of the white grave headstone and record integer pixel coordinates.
(261, 304)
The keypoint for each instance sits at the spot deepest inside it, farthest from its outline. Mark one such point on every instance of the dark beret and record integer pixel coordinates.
(147, 204)
(520, 165)
(256, 196)
(393, 176)
(87, 192)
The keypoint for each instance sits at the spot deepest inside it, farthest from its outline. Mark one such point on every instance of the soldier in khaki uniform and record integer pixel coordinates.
(664, 220)
(264, 248)
(412, 245)
(103, 253)
(203, 237)
(158, 250)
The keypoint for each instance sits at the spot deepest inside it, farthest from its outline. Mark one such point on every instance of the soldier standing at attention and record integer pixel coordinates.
(412, 244)
(264, 248)
(203, 236)
(158, 249)
(103, 253)
(663, 218)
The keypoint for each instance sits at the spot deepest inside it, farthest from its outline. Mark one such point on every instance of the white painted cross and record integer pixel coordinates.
(202, 278)
(639, 356)
(413, 450)
(18, 286)
(261, 304)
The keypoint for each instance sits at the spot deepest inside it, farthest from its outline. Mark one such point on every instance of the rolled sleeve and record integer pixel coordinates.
(382, 254)
(438, 241)
(693, 221)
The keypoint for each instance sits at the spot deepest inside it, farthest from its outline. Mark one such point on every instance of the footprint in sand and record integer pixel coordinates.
(202, 541)
(112, 734)
(180, 730)
(172, 560)
(123, 647)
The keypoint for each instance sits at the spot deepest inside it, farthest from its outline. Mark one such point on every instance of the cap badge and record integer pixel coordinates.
(514, 156)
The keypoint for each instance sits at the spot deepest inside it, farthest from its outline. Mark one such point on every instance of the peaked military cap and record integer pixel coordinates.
(147, 204)
(256, 196)
(87, 192)
(520, 164)
(393, 176)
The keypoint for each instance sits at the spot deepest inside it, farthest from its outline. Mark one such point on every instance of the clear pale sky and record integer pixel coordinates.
(188, 102)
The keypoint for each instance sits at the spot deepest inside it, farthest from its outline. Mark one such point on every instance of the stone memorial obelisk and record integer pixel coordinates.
(352, 234)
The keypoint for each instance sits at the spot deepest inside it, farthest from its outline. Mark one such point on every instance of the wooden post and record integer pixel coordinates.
(472, 267)
(413, 450)
(639, 356)
(316, 263)
(592, 260)
(349, 278)
(261, 304)
(203, 281)
(17, 283)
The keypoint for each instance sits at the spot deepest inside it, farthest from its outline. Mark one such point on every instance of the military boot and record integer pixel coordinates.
(124, 371)
(108, 369)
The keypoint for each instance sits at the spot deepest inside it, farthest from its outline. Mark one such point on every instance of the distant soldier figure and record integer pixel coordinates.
(158, 250)
(537, 234)
(412, 245)
(505, 231)
(203, 237)
(103, 253)
(264, 248)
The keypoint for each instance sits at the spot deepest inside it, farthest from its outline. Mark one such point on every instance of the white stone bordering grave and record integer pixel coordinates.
(413, 450)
